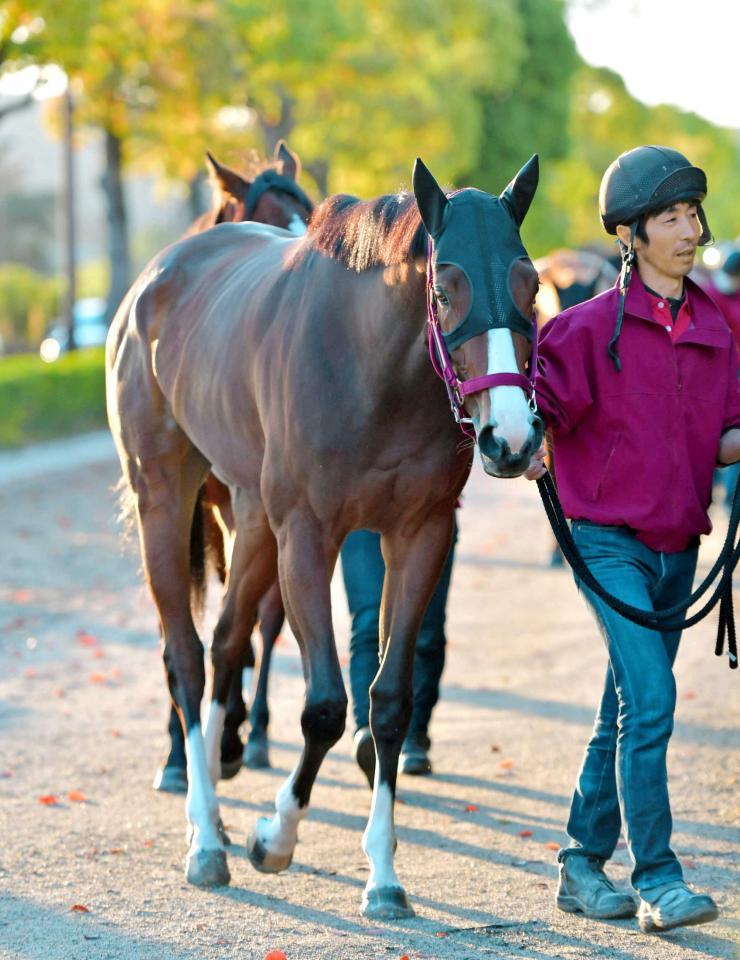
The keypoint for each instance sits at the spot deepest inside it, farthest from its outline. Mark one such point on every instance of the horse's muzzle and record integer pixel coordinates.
(498, 460)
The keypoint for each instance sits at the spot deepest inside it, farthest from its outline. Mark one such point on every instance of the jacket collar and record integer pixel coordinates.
(705, 315)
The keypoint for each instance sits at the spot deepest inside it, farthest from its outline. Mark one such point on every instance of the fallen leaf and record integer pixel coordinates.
(689, 695)
(49, 800)
(76, 796)
(526, 833)
(58, 691)
(97, 678)
(116, 850)
(20, 596)
(495, 749)
(30, 672)
(148, 843)
(405, 957)
(470, 808)
(115, 732)
(440, 934)
(79, 908)
(551, 845)
(506, 764)
(86, 639)
(275, 955)
(200, 926)
(98, 653)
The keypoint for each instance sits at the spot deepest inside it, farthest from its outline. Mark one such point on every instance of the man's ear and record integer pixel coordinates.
(624, 232)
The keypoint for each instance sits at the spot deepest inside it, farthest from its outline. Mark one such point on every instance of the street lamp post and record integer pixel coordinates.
(68, 205)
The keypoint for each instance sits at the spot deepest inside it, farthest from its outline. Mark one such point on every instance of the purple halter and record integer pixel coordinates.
(458, 389)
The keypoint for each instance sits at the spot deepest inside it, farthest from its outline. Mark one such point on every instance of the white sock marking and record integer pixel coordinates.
(201, 805)
(379, 839)
(280, 834)
(212, 737)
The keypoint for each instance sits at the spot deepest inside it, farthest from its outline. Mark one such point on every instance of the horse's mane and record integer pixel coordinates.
(368, 233)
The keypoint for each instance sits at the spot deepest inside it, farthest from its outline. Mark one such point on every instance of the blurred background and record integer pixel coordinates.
(108, 106)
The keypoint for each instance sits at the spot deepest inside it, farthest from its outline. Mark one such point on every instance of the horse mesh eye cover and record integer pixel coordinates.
(480, 239)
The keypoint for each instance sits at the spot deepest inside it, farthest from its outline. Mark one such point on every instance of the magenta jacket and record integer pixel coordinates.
(638, 448)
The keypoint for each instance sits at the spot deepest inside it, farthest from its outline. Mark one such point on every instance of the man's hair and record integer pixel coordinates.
(641, 232)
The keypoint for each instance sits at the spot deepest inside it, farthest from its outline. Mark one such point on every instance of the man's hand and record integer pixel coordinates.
(537, 468)
(729, 447)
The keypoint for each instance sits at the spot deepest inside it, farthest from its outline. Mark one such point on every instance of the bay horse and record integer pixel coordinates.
(272, 196)
(297, 370)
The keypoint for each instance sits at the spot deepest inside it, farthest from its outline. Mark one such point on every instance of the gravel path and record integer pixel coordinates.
(82, 715)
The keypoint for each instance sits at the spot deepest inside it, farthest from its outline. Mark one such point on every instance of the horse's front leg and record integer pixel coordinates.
(306, 558)
(413, 565)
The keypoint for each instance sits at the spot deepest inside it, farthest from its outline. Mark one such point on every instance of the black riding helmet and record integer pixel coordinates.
(638, 182)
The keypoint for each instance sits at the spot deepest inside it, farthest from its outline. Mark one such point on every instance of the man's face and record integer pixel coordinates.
(673, 238)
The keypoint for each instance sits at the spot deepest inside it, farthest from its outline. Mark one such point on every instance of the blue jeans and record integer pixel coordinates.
(623, 779)
(363, 571)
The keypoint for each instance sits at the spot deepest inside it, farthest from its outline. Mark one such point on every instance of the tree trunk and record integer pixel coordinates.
(118, 240)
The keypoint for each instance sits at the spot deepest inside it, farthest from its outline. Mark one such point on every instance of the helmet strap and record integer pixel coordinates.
(627, 252)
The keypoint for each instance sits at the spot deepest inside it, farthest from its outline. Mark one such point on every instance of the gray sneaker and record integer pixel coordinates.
(674, 905)
(585, 888)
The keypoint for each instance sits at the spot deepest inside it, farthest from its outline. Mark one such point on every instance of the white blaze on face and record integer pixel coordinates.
(509, 408)
(297, 226)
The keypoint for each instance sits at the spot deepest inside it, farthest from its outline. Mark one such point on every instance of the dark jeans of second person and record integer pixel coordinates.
(623, 780)
(363, 571)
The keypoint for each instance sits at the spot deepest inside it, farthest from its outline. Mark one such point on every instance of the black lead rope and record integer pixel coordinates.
(662, 620)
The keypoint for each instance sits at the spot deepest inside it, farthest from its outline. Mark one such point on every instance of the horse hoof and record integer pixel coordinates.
(207, 868)
(230, 768)
(264, 861)
(386, 903)
(171, 780)
(256, 756)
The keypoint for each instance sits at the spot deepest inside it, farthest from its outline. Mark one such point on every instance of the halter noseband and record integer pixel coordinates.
(458, 389)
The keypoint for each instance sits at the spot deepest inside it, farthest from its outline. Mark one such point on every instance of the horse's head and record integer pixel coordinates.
(483, 286)
(272, 197)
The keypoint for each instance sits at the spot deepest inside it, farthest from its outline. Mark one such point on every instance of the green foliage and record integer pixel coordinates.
(28, 301)
(42, 401)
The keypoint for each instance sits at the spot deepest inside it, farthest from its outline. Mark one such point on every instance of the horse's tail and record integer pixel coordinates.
(198, 559)
(207, 550)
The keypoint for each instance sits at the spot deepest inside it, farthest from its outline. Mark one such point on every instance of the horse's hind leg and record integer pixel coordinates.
(166, 487)
(305, 562)
(413, 565)
(253, 569)
(270, 616)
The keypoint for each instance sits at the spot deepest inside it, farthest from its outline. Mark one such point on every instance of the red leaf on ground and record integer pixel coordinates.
(495, 749)
(506, 764)
(200, 926)
(58, 691)
(49, 800)
(115, 732)
(526, 833)
(98, 653)
(470, 808)
(20, 596)
(76, 796)
(116, 850)
(30, 672)
(148, 843)
(79, 908)
(86, 639)
(405, 957)
(689, 695)
(275, 955)
(97, 678)
(441, 933)
(551, 845)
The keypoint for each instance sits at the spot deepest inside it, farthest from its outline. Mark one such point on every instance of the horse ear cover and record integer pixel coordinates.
(517, 197)
(430, 199)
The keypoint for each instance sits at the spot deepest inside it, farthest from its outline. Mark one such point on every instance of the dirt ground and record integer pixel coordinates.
(82, 718)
